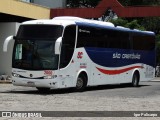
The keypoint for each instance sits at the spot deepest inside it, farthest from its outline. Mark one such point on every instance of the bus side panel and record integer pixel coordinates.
(83, 63)
(111, 66)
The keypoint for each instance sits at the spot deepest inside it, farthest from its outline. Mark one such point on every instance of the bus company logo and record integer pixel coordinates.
(48, 72)
(80, 55)
(84, 31)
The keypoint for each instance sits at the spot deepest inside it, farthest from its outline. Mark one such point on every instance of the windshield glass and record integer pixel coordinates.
(36, 52)
(41, 32)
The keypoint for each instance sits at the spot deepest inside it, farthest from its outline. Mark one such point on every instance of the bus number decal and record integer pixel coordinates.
(48, 72)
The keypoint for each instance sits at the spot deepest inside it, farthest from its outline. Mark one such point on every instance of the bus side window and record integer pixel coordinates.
(143, 42)
(18, 55)
(68, 44)
(86, 37)
(113, 39)
(125, 41)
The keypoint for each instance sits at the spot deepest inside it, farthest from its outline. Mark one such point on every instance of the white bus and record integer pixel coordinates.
(73, 52)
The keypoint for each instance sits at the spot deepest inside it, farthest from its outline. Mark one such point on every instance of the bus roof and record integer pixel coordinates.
(67, 20)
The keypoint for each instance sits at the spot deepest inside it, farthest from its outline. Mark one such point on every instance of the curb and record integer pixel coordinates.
(5, 81)
(156, 79)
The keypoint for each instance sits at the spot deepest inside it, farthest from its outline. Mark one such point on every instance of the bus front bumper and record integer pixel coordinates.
(46, 83)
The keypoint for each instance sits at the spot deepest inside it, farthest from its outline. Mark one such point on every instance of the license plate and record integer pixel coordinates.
(31, 84)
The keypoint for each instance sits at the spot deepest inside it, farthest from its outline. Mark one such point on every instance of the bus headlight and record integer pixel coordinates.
(15, 75)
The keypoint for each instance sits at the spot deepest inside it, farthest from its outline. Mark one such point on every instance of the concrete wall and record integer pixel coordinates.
(51, 3)
(6, 29)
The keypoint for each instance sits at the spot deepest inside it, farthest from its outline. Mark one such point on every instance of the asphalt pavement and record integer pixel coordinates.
(146, 97)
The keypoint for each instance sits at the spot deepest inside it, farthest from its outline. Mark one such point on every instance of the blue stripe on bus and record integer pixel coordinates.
(109, 57)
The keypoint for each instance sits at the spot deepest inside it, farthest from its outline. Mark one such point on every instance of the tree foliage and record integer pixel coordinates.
(93, 3)
(129, 24)
(82, 3)
(119, 22)
(139, 2)
(152, 24)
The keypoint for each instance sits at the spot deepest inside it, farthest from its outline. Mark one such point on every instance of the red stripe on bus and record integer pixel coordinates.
(114, 72)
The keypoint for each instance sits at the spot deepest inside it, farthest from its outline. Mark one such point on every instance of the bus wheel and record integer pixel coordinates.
(135, 79)
(41, 89)
(81, 83)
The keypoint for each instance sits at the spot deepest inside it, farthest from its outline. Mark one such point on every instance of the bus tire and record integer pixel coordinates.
(135, 79)
(44, 90)
(81, 83)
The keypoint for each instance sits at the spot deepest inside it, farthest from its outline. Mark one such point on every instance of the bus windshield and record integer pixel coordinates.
(34, 47)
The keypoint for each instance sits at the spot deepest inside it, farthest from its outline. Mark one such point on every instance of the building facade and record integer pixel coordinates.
(51, 3)
(48, 3)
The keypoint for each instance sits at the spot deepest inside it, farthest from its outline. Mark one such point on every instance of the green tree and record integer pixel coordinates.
(139, 2)
(82, 3)
(152, 24)
(134, 25)
(119, 22)
(125, 23)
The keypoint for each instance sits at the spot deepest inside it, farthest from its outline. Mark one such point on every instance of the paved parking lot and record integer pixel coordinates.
(101, 98)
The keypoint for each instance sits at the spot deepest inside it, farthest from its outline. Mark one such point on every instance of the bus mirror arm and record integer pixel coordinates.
(57, 45)
(7, 40)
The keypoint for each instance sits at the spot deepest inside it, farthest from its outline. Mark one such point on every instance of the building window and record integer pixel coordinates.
(29, 1)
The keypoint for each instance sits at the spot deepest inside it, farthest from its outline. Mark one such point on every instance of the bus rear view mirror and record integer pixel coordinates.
(7, 40)
(57, 45)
